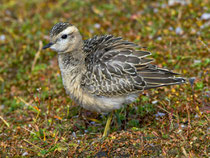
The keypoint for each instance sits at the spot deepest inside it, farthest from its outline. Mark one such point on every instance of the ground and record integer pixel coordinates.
(37, 118)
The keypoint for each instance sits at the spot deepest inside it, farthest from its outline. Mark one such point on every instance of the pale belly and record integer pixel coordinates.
(90, 101)
(109, 104)
(103, 104)
(95, 103)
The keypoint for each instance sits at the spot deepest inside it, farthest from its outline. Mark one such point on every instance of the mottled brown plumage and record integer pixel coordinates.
(116, 67)
(104, 73)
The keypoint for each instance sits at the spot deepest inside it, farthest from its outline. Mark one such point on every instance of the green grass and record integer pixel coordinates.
(39, 119)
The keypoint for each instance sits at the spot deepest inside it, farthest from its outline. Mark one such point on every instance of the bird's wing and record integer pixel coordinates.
(116, 67)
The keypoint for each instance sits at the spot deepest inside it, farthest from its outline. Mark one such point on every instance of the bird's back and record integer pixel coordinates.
(116, 67)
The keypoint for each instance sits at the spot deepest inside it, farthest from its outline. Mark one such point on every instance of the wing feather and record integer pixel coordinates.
(117, 67)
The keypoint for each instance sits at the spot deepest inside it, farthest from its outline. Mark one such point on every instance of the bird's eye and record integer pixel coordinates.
(64, 36)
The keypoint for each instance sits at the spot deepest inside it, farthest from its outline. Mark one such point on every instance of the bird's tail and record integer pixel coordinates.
(157, 77)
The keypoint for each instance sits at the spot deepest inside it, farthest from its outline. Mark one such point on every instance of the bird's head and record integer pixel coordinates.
(64, 37)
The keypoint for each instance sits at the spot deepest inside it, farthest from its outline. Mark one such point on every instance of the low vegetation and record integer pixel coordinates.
(37, 118)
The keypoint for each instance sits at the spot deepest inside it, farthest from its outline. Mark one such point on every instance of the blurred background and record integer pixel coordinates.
(37, 118)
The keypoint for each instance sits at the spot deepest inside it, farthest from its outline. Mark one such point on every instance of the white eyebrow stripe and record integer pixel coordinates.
(68, 30)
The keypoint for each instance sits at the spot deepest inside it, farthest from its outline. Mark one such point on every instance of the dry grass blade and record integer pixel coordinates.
(37, 55)
(167, 111)
(22, 100)
(184, 152)
(29, 130)
(33, 144)
(5, 122)
(204, 44)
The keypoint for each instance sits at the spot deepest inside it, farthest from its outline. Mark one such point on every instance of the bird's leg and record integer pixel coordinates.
(107, 127)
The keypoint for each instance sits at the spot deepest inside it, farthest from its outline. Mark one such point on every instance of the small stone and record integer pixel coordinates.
(2, 107)
(183, 126)
(155, 10)
(205, 25)
(197, 116)
(171, 28)
(118, 149)
(159, 38)
(205, 16)
(97, 25)
(179, 131)
(74, 135)
(38, 89)
(2, 37)
(174, 2)
(25, 153)
(163, 5)
(160, 114)
(154, 102)
(91, 31)
(179, 31)
(92, 122)
(197, 61)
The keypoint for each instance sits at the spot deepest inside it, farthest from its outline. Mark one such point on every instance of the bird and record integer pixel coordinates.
(104, 73)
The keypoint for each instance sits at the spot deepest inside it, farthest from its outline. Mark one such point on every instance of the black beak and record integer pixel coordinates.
(47, 46)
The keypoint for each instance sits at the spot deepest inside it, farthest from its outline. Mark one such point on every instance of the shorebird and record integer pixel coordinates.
(104, 73)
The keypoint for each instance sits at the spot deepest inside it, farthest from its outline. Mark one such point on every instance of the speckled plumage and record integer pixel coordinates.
(115, 67)
(57, 28)
(106, 72)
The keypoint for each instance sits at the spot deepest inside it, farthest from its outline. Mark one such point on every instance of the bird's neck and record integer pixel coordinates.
(71, 60)
(72, 67)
